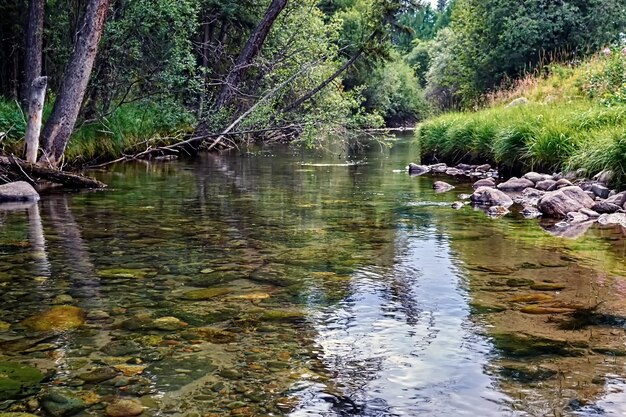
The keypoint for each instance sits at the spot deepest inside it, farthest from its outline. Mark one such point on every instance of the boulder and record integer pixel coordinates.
(439, 168)
(545, 185)
(563, 182)
(589, 213)
(441, 187)
(485, 182)
(574, 217)
(604, 207)
(415, 169)
(600, 190)
(454, 172)
(617, 198)
(535, 177)
(61, 402)
(562, 201)
(18, 191)
(491, 197)
(516, 184)
(615, 218)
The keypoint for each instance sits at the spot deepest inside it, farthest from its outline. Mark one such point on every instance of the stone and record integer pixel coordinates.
(465, 167)
(124, 408)
(603, 207)
(121, 348)
(61, 403)
(205, 294)
(562, 201)
(497, 211)
(589, 212)
(530, 212)
(491, 197)
(617, 198)
(544, 185)
(574, 217)
(521, 101)
(516, 184)
(485, 182)
(563, 182)
(168, 323)
(439, 168)
(18, 380)
(529, 197)
(600, 190)
(18, 191)
(415, 169)
(17, 415)
(453, 172)
(547, 286)
(442, 187)
(535, 177)
(457, 205)
(604, 177)
(483, 168)
(99, 375)
(60, 318)
(62, 299)
(615, 218)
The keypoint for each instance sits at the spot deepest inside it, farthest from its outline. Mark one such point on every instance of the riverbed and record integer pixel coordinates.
(291, 282)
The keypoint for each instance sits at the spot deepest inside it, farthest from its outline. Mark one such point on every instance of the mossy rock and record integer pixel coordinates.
(205, 294)
(17, 415)
(61, 402)
(18, 380)
(125, 273)
(519, 282)
(530, 298)
(524, 345)
(211, 334)
(284, 315)
(60, 318)
(547, 286)
(479, 308)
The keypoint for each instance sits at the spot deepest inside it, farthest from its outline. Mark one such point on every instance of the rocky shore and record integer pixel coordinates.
(568, 197)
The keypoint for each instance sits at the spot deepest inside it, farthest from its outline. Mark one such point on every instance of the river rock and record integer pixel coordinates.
(590, 213)
(415, 169)
(483, 168)
(534, 177)
(603, 207)
(563, 182)
(516, 184)
(615, 218)
(491, 197)
(458, 205)
(574, 217)
(60, 318)
(439, 168)
(441, 187)
(124, 408)
(453, 172)
(168, 323)
(18, 191)
(544, 185)
(497, 211)
(560, 202)
(62, 403)
(617, 198)
(99, 375)
(485, 182)
(205, 294)
(604, 177)
(600, 190)
(529, 197)
(62, 299)
(530, 212)
(17, 380)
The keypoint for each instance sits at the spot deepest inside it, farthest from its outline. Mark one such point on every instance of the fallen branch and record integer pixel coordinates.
(33, 173)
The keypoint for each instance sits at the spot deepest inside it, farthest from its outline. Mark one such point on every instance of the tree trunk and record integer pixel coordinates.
(249, 52)
(61, 123)
(35, 112)
(34, 42)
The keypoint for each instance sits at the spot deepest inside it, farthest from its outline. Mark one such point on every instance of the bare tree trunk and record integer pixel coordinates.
(34, 42)
(61, 123)
(35, 112)
(249, 52)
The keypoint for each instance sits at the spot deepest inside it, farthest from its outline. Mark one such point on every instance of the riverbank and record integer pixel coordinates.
(573, 119)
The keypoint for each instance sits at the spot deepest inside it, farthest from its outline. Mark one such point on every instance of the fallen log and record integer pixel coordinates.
(20, 169)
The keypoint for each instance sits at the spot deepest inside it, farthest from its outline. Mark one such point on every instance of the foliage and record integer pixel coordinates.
(606, 81)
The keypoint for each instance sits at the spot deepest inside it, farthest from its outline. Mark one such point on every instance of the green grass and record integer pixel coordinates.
(131, 128)
(561, 128)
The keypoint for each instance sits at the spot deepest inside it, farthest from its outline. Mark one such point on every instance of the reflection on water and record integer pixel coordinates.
(288, 283)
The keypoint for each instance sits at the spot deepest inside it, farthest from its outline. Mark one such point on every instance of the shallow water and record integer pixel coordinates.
(308, 284)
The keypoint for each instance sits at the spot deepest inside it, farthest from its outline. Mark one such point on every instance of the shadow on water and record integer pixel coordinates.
(301, 283)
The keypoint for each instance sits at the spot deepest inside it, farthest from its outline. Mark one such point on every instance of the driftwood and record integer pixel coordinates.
(15, 168)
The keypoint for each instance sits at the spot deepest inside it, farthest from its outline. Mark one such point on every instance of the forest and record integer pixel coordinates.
(131, 76)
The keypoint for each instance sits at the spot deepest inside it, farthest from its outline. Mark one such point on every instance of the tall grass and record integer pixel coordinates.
(129, 129)
(563, 126)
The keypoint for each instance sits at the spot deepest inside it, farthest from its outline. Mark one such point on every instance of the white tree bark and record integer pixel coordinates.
(36, 99)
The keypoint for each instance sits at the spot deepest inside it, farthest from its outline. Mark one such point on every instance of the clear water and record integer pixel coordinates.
(334, 289)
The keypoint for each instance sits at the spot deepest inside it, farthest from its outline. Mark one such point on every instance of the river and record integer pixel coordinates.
(304, 283)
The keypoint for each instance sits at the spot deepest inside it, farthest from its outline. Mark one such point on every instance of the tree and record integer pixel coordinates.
(33, 48)
(61, 122)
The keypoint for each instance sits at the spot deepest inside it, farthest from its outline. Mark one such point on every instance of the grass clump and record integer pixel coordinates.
(575, 119)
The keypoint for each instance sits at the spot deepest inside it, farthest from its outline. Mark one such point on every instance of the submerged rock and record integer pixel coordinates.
(168, 323)
(560, 202)
(497, 211)
(441, 187)
(491, 197)
(17, 380)
(124, 408)
(99, 375)
(205, 294)
(18, 191)
(59, 318)
(62, 403)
